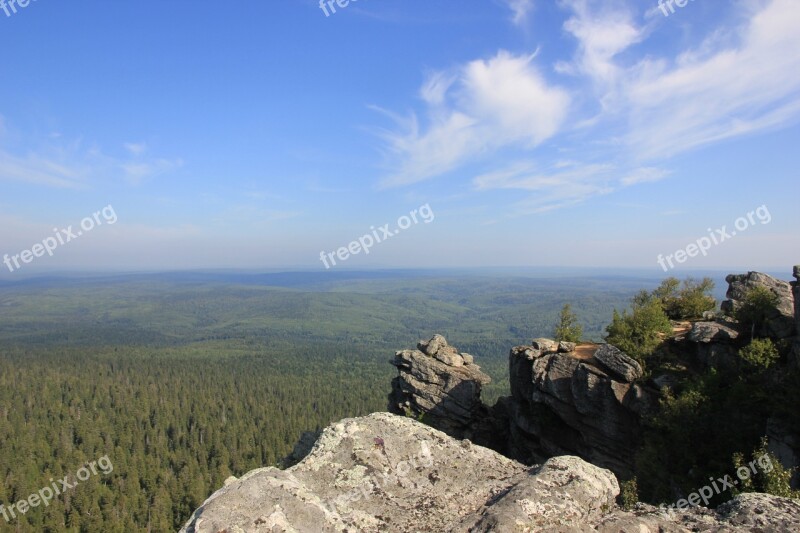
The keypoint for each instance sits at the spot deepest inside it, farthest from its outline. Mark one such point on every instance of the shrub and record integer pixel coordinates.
(638, 334)
(628, 494)
(689, 300)
(756, 307)
(770, 475)
(760, 354)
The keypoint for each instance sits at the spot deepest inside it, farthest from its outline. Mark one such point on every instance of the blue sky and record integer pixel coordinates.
(256, 134)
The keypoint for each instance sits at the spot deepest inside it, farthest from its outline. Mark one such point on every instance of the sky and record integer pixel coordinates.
(281, 134)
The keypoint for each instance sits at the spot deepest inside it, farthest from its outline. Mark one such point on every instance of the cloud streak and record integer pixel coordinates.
(612, 99)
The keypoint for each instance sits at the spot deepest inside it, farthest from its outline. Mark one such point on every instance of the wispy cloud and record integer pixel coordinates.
(487, 105)
(72, 164)
(520, 10)
(626, 112)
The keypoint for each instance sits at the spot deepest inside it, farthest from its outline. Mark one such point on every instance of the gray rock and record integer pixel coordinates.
(712, 332)
(388, 473)
(796, 272)
(439, 387)
(438, 348)
(376, 473)
(780, 323)
(563, 406)
(565, 492)
(566, 347)
(546, 346)
(468, 359)
(432, 346)
(618, 363)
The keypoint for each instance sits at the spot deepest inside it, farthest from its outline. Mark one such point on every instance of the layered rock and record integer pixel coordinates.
(442, 385)
(562, 404)
(780, 323)
(389, 473)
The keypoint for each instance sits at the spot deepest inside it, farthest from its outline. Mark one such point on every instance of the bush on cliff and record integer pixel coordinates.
(756, 307)
(639, 333)
(685, 301)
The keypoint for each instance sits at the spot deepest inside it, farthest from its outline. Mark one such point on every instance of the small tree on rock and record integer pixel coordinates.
(568, 328)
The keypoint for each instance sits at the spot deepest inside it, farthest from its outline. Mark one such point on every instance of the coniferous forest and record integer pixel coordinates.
(182, 383)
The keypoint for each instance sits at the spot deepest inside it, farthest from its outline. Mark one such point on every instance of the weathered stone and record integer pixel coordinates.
(468, 359)
(432, 346)
(388, 473)
(712, 332)
(618, 363)
(439, 387)
(546, 346)
(566, 347)
(780, 323)
(561, 405)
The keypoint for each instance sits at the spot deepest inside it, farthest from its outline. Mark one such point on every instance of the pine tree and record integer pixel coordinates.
(568, 328)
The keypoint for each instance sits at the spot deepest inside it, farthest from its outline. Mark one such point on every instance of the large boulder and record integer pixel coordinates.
(707, 332)
(388, 473)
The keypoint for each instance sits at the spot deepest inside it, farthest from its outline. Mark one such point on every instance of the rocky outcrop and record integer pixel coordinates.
(562, 404)
(714, 344)
(780, 323)
(707, 332)
(440, 384)
(389, 473)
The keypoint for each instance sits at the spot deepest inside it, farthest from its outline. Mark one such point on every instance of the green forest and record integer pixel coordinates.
(184, 382)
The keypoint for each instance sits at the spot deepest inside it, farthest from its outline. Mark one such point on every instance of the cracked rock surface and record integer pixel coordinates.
(384, 472)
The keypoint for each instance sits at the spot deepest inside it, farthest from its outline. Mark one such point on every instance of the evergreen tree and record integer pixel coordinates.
(568, 328)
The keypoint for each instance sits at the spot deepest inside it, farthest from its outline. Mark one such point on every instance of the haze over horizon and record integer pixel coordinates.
(576, 133)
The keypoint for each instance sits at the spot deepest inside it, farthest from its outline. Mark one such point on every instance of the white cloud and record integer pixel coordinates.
(737, 81)
(630, 108)
(703, 97)
(520, 9)
(601, 36)
(500, 102)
